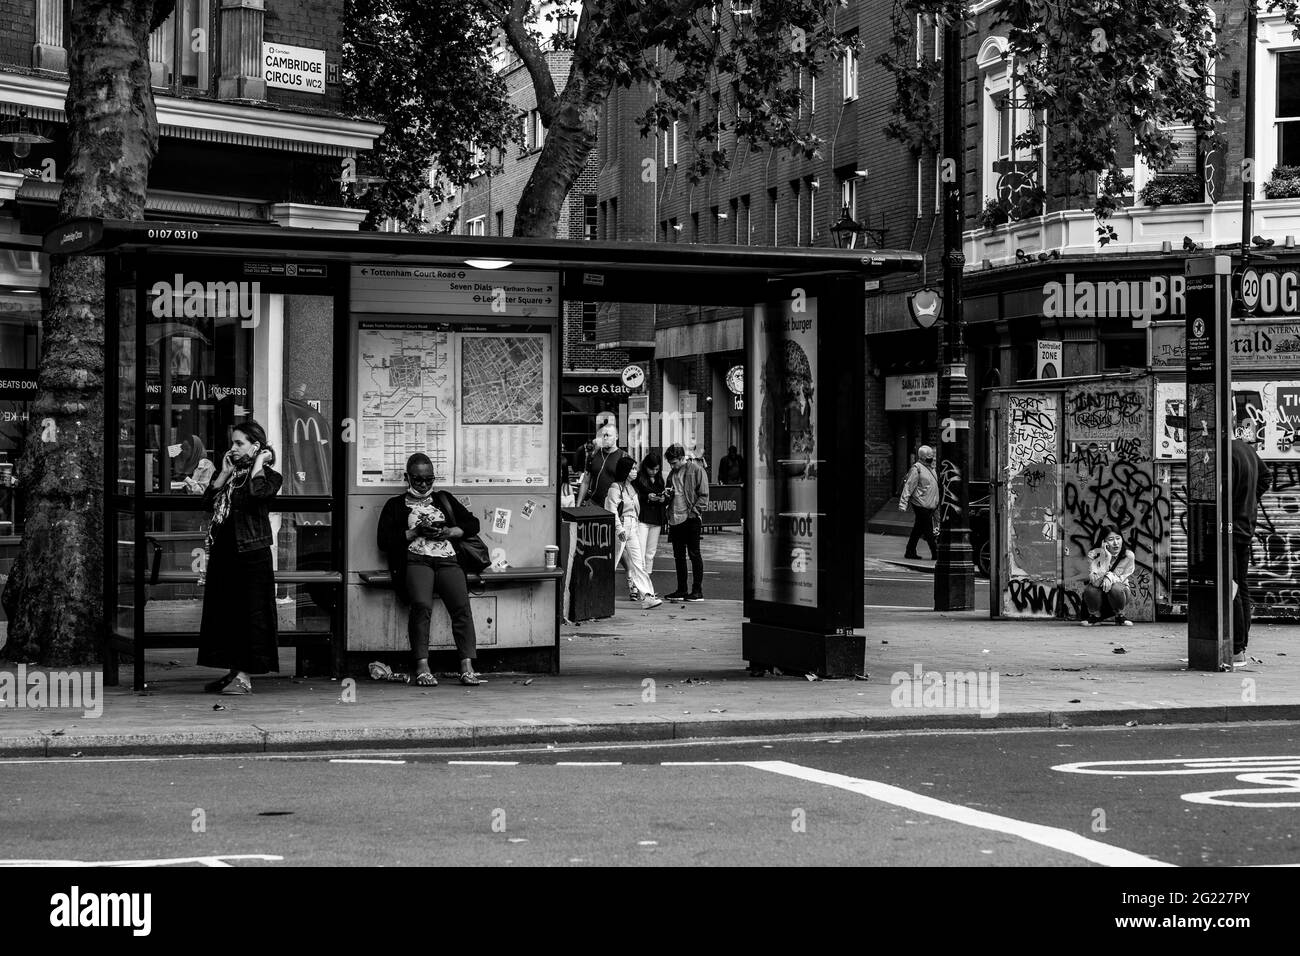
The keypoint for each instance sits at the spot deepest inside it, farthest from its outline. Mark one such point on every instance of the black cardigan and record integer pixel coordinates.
(391, 534)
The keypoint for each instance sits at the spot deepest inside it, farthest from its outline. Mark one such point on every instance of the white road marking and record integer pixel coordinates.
(588, 763)
(483, 763)
(362, 760)
(1052, 837)
(1273, 777)
(219, 861)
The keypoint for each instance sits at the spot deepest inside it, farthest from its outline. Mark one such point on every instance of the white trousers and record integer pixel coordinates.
(649, 535)
(631, 550)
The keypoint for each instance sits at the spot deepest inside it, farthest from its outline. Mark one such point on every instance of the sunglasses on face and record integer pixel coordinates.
(420, 480)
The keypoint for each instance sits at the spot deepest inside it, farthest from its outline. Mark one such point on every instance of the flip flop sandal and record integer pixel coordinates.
(218, 685)
(239, 685)
(469, 679)
(425, 680)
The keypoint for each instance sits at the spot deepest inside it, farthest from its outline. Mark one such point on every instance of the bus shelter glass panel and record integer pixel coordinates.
(214, 361)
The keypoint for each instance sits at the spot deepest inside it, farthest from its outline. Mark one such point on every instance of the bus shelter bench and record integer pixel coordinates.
(384, 579)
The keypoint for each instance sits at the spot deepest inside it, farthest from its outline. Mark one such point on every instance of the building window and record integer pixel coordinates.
(590, 311)
(1288, 108)
(672, 139)
(476, 226)
(589, 222)
(663, 230)
(735, 222)
(674, 230)
(187, 30)
(535, 132)
(812, 211)
(1012, 175)
(798, 211)
(849, 66)
(849, 196)
(775, 202)
(812, 96)
(748, 234)
(613, 219)
(713, 229)
(501, 222)
(1121, 353)
(695, 227)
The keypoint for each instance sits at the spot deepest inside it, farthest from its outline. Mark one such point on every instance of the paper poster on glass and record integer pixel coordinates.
(783, 510)
(406, 399)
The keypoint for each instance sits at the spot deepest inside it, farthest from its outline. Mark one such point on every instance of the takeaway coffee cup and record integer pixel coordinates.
(552, 556)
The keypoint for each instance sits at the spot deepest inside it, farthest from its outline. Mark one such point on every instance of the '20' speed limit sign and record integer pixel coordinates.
(1250, 289)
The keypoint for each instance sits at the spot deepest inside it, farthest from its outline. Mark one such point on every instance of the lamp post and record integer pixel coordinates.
(954, 572)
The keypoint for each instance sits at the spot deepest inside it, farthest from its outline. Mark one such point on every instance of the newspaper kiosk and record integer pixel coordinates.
(355, 350)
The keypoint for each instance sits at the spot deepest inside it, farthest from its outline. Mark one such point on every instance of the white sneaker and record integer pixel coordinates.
(650, 602)
(1239, 660)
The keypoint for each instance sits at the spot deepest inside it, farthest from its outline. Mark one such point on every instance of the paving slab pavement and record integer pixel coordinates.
(676, 673)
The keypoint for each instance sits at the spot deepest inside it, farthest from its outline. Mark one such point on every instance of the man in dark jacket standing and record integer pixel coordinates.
(1250, 479)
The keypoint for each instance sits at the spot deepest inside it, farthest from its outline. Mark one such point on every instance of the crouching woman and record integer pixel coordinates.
(417, 533)
(1107, 592)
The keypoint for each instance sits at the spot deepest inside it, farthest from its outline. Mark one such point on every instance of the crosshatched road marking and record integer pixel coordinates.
(1051, 837)
(1275, 778)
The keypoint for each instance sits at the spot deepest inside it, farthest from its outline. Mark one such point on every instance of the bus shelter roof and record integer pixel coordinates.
(638, 272)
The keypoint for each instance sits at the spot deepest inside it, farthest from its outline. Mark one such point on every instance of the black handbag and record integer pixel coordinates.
(471, 552)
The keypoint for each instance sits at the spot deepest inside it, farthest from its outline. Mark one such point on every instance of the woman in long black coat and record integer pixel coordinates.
(239, 628)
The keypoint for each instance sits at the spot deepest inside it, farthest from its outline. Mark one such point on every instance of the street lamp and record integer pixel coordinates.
(847, 230)
(954, 572)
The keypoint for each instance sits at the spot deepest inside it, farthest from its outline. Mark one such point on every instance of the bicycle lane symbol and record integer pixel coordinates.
(1276, 780)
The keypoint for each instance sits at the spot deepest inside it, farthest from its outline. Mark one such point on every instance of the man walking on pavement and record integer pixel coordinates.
(1250, 479)
(688, 498)
(921, 491)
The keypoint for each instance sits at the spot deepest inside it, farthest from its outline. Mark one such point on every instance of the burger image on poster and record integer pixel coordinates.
(786, 415)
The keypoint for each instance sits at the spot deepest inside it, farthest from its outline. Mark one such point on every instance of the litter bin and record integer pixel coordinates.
(587, 546)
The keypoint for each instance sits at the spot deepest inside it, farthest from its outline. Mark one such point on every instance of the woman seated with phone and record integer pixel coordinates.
(417, 532)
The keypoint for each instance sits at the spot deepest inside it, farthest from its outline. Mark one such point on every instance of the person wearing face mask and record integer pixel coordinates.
(238, 630)
(417, 531)
(921, 492)
(1107, 591)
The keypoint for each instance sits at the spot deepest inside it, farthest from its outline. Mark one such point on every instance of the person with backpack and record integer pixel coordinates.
(622, 500)
(921, 491)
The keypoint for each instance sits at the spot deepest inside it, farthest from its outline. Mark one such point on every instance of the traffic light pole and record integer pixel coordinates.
(954, 572)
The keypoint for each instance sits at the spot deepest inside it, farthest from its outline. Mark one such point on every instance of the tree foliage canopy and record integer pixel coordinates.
(441, 97)
(1094, 75)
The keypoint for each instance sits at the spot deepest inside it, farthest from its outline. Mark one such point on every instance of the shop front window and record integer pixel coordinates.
(20, 329)
(224, 352)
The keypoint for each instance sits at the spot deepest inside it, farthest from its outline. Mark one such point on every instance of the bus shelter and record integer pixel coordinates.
(356, 349)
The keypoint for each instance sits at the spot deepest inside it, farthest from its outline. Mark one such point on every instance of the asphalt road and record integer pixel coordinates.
(1187, 796)
(892, 588)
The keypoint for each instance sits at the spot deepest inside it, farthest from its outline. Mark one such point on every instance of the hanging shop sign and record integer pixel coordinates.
(293, 68)
(736, 380)
(633, 377)
(912, 393)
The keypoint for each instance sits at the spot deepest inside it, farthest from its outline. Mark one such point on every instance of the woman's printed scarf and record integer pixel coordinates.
(220, 512)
